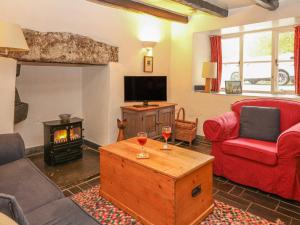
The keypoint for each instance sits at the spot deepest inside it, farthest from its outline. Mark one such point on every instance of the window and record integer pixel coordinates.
(285, 62)
(231, 60)
(262, 60)
(257, 65)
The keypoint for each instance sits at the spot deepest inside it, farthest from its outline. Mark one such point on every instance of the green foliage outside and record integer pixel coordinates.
(286, 42)
(263, 44)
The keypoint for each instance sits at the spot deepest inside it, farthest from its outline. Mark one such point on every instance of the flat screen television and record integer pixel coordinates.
(145, 88)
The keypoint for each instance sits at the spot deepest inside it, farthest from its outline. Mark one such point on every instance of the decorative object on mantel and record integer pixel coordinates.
(121, 125)
(68, 48)
(148, 64)
(11, 39)
(65, 118)
(185, 130)
(233, 87)
(209, 72)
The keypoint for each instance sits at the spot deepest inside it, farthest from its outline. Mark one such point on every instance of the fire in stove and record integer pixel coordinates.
(75, 133)
(60, 136)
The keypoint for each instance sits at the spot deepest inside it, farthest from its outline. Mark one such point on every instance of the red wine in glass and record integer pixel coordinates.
(142, 140)
(166, 133)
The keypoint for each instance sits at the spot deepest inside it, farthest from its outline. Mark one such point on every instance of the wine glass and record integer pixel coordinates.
(142, 140)
(166, 133)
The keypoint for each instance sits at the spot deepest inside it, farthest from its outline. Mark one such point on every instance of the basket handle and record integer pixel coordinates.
(183, 113)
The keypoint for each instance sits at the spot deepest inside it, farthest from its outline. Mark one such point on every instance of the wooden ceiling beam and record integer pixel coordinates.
(144, 8)
(268, 4)
(205, 6)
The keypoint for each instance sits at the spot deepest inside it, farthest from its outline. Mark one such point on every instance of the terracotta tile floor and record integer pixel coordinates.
(265, 205)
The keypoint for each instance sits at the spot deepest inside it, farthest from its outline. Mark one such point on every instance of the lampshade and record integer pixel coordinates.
(209, 70)
(12, 38)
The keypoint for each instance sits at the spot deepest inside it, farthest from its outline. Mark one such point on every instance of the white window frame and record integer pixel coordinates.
(274, 56)
(241, 52)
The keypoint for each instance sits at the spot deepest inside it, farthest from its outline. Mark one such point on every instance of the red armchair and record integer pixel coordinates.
(270, 167)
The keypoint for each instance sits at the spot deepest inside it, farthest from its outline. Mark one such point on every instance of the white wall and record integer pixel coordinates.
(201, 53)
(113, 26)
(7, 94)
(203, 105)
(49, 91)
(95, 103)
(102, 97)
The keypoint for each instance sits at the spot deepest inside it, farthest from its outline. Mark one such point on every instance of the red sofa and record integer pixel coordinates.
(270, 167)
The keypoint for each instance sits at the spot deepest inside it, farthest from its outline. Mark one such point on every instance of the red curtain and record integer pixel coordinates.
(297, 60)
(216, 56)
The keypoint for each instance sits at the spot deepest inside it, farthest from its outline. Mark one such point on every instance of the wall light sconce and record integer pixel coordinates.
(149, 45)
(11, 39)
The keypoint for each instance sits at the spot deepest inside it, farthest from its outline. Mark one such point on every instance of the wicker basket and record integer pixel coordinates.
(185, 130)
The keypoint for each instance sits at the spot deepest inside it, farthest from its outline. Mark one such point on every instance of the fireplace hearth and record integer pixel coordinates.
(62, 141)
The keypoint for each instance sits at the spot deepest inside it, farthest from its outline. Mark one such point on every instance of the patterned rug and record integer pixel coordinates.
(106, 213)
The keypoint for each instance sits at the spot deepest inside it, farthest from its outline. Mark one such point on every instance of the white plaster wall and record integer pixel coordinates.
(102, 97)
(95, 103)
(203, 105)
(7, 94)
(201, 54)
(114, 26)
(49, 91)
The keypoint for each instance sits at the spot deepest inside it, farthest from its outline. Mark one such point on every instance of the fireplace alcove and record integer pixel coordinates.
(52, 85)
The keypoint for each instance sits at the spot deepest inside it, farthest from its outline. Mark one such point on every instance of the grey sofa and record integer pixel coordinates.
(39, 198)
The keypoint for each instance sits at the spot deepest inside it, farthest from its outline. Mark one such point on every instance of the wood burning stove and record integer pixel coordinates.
(62, 141)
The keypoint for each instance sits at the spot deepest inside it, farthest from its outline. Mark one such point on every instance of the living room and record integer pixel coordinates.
(75, 57)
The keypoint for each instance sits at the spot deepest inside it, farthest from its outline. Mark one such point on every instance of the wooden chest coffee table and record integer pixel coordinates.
(172, 187)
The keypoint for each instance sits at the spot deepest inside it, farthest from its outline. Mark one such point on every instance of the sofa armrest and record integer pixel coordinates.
(288, 143)
(11, 148)
(222, 128)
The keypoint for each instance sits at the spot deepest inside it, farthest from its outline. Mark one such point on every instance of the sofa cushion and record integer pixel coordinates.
(10, 207)
(60, 212)
(259, 151)
(30, 187)
(261, 123)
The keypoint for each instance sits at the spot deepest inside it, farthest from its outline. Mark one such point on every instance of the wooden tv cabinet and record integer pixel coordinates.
(149, 119)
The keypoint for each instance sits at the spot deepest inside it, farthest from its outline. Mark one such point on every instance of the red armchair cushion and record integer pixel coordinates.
(256, 150)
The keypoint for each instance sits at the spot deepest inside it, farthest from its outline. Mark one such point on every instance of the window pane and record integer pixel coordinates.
(286, 76)
(286, 46)
(258, 46)
(231, 50)
(257, 76)
(230, 72)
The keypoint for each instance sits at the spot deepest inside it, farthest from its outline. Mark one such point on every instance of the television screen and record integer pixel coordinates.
(145, 88)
